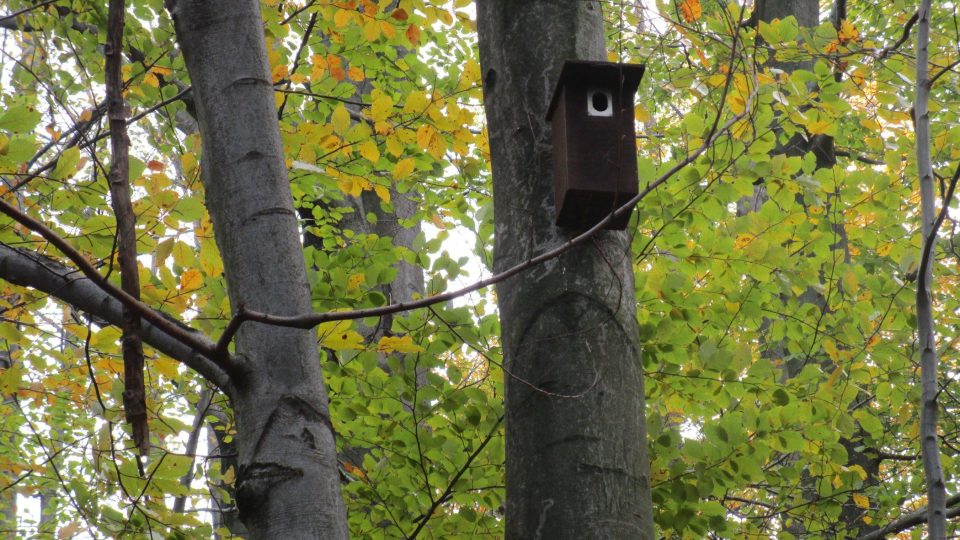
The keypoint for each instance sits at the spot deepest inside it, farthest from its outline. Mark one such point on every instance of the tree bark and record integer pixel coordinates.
(926, 327)
(287, 482)
(576, 466)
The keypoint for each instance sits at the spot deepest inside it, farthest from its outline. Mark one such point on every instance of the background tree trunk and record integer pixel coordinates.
(576, 466)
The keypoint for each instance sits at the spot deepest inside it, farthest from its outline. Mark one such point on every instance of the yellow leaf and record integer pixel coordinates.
(394, 146)
(870, 124)
(355, 281)
(190, 280)
(471, 74)
(831, 349)
(403, 168)
(388, 29)
(743, 240)
(425, 135)
(371, 30)
(189, 163)
(353, 186)
(437, 222)
(369, 151)
(340, 119)
(818, 127)
(229, 476)
(860, 499)
(640, 114)
(402, 344)
(111, 364)
(691, 10)
(383, 193)
(86, 115)
(151, 80)
(166, 367)
(416, 102)
(847, 32)
(342, 18)
(382, 128)
(339, 336)
(381, 108)
(737, 103)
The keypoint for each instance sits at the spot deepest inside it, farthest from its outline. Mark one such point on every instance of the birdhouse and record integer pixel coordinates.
(594, 146)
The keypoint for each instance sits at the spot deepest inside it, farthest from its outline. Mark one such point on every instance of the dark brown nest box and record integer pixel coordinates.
(594, 145)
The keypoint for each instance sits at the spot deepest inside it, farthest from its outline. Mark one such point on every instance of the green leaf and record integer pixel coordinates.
(19, 119)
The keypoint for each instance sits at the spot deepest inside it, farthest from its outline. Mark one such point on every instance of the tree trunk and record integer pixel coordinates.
(807, 14)
(576, 466)
(287, 482)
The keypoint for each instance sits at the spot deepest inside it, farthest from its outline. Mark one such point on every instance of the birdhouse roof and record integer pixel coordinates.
(612, 75)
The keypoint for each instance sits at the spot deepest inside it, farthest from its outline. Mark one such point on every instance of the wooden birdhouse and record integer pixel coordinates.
(594, 146)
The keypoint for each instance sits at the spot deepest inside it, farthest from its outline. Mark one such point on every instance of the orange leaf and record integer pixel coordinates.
(413, 34)
(691, 10)
(399, 14)
(155, 166)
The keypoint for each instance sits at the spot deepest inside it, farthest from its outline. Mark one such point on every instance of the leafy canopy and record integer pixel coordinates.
(774, 296)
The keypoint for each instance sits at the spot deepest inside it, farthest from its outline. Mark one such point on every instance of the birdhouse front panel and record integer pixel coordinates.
(594, 146)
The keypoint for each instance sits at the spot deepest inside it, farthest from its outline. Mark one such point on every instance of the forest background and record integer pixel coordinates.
(777, 251)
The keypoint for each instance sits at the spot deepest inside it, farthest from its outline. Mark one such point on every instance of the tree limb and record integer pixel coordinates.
(28, 269)
(189, 337)
(917, 517)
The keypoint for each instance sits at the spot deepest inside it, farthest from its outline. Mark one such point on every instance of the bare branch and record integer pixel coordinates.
(882, 53)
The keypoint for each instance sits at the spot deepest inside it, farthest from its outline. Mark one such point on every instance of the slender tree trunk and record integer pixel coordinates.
(576, 466)
(929, 381)
(287, 482)
(807, 13)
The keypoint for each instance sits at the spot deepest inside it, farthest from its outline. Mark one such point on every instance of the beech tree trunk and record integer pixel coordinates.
(287, 480)
(576, 466)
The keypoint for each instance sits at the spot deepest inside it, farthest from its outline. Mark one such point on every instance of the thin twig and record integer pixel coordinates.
(453, 481)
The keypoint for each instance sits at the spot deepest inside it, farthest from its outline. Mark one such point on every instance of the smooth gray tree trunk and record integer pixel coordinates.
(576, 466)
(287, 480)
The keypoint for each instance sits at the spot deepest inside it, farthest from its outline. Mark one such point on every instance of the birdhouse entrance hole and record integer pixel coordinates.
(599, 103)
